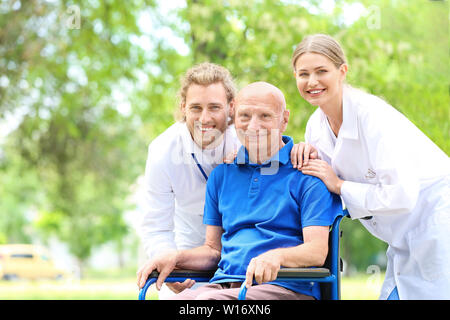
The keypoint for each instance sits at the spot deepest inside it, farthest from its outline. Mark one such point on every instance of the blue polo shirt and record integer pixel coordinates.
(262, 207)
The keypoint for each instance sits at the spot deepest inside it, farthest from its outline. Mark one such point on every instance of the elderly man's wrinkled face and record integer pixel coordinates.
(260, 120)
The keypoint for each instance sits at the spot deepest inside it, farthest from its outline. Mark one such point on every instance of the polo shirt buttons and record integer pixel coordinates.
(255, 181)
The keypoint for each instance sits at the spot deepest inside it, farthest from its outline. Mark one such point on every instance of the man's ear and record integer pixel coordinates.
(285, 120)
(183, 109)
(231, 109)
(231, 112)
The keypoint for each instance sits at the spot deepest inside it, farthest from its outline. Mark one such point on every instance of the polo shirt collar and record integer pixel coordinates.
(283, 155)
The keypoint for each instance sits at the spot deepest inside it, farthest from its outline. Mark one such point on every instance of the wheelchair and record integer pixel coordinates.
(328, 276)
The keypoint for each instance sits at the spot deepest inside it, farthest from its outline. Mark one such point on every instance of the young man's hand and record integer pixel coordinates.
(164, 264)
(177, 287)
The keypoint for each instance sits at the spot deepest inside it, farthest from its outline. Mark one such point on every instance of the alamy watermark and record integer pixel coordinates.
(373, 16)
(261, 145)
(373, 282)
(71, 18)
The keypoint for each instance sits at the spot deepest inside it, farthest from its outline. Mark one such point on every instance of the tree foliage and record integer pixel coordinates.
(75, 133)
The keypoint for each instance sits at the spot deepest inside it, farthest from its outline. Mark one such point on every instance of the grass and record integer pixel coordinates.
(360, 287)
(123, 289)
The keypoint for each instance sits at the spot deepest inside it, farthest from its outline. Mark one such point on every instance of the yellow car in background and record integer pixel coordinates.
(27, 261)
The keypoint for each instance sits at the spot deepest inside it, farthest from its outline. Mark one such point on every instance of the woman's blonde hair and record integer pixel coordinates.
(321, 44)
(205, 74)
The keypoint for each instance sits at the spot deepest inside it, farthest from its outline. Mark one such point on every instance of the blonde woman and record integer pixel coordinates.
(389, 174)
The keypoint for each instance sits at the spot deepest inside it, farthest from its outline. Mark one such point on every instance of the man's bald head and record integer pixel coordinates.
(260, 119)
(258, 93)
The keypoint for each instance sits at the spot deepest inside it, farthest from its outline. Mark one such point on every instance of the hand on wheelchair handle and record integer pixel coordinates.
(263, 268)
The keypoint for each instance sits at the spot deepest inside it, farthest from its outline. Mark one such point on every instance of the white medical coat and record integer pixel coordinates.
(173, 194)
(396, 174)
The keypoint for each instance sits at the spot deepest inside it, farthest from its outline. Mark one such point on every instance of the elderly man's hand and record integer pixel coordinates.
(164, 264)
(263, 268)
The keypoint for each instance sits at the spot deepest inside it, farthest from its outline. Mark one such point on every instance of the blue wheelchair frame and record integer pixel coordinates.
(328, 276)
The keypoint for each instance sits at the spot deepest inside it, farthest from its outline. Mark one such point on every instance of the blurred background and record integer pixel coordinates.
(86, 85)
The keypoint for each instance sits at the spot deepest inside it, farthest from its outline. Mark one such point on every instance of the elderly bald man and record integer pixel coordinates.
(259, 220)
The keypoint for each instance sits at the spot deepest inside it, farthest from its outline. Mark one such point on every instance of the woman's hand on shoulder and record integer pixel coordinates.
(301, 153)
(322, 170)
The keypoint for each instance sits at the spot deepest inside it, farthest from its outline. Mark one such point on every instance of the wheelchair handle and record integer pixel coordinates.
(242, 291)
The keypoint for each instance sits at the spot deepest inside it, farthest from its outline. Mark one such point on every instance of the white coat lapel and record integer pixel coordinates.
(349, 127)
(324, 142)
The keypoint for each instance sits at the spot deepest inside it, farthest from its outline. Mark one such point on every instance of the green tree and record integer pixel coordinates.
(69, 65)
(19, 199)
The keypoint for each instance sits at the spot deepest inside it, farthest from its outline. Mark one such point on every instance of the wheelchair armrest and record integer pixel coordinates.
(282, 273)
(292, 274)
(184, 273)
(303, 273)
